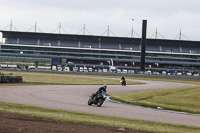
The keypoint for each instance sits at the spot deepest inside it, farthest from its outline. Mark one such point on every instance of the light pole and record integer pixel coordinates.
(132, 30)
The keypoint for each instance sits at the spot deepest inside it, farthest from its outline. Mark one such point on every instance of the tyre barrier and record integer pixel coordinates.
(10, 79)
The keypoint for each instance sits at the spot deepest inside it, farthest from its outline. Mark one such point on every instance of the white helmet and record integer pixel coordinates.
(104, 86)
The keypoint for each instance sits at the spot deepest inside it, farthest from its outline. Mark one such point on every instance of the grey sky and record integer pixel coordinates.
(168, 16)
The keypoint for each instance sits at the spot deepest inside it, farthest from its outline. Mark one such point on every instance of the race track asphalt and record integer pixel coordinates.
(75, 97)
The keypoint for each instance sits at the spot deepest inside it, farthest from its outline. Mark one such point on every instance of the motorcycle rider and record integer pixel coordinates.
(123, 81)
(102, 88)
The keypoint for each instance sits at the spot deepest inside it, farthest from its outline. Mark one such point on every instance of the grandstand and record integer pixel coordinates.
(99, 51)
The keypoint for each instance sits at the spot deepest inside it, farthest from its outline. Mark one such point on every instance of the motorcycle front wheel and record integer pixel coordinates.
(89, 102)
(100, 102)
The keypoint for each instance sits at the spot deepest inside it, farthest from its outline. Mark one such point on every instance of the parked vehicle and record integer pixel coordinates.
(179, 73)
(85, 69)
(119, 71)
(89, 69)
(105, 70)
(81, 69)
(75, 69)
(124, 71)
(66, 69)
(189, 74)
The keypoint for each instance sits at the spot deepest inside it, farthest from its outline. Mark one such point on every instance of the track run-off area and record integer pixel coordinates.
(75, 97)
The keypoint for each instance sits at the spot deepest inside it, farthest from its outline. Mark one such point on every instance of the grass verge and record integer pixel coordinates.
(97, 120)
(185, 99)
(189, 81)
(31, 78)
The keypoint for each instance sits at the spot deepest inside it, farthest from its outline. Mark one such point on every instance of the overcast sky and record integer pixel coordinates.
(168, 16)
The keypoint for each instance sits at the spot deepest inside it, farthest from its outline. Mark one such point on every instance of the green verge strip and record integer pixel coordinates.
(91, 119)
(165, 79)
(64, 79)
(185, 99)
(189, 81)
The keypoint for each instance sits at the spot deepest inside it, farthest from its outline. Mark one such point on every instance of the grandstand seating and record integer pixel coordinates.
(109, 46)
(153, 48)
(89, 44)
(170, 48)
(65, 43)
(28, 41)
(11, 40)
(48, 42)
(130, 47)
(191, 49)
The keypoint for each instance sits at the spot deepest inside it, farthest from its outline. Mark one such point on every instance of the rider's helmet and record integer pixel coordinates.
(104, 86)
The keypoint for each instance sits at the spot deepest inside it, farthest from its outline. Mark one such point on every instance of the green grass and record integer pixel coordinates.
(31, 78)
(190, 81)
(184, 99)
(91, 119)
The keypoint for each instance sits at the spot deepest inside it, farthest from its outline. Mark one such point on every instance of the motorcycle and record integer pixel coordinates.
(98, 99)
(123, 82)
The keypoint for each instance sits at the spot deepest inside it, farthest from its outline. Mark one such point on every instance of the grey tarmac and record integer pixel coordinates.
(75, 97)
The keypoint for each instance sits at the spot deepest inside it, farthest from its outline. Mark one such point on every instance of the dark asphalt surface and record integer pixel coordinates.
(75, 97)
